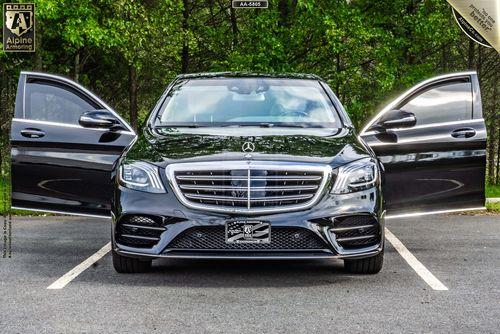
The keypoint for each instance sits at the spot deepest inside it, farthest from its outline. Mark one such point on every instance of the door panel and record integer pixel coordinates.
(439, 163)
(58, 165)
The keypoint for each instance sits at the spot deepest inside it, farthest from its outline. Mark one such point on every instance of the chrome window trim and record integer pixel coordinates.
(77, 87)
(24, 96)
(480, 134)
(417, 87)
(433, 125)
(33, 121)
(248, 165)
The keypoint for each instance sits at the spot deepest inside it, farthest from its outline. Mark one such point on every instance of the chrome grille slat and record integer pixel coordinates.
(248, 186)
(356, 238)
(229, 188)
(145, 227)
(348, 228)
(139, 237)
(244, 178)
(256, 199)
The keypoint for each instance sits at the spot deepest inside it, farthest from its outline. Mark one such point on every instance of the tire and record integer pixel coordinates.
(367, 266)
(130, 265)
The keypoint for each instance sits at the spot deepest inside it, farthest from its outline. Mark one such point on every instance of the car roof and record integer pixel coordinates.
(249, 75)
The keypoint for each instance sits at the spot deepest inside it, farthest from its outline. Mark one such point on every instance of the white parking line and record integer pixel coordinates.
(419, 268)
(73, 273)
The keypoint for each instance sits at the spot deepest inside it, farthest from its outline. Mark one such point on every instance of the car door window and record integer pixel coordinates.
(443, 103)
(55, 103)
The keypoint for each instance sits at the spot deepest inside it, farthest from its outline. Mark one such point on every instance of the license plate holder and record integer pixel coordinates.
(248, 232)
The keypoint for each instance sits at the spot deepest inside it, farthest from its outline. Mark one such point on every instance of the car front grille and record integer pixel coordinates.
(356, 231)
(248, 187)
(214, 238)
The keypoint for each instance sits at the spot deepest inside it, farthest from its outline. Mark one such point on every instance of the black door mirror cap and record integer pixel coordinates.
(100, 118)
(397, 119)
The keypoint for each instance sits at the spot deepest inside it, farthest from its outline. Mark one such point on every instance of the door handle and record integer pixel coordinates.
(463, 133)
(32, 133)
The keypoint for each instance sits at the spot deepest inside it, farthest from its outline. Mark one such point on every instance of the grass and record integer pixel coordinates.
(4, 195)
(492, 190)
(493, 207)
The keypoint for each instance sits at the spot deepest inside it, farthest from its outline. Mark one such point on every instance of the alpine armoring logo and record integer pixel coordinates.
(479, 20)
(469, 30)
(19, 27)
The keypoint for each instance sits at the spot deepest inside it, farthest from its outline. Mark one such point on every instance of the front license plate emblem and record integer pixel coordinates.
(244, 231)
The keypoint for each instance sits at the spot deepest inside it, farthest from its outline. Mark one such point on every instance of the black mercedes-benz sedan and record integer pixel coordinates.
(248, 166)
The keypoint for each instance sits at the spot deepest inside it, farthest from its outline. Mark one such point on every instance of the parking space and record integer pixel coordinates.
(462, 252)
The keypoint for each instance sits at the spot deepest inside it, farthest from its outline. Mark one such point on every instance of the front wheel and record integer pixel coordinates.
(365, 266)
(130, 265)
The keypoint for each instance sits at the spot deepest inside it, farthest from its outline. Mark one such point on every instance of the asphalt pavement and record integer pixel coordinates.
(183, 296)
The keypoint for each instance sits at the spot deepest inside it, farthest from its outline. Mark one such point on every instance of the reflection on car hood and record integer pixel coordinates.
(316, 145)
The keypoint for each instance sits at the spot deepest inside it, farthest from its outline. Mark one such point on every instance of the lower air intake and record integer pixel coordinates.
(214, 238)
(141, 231)
(356, 231)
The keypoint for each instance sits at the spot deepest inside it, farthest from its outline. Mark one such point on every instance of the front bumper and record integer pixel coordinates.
(318, 219)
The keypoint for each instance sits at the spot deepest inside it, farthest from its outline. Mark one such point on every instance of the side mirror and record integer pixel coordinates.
(397, 119)
(98, 119)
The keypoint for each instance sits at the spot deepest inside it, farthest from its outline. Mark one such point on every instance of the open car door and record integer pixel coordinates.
(432, 143)
(65, 143)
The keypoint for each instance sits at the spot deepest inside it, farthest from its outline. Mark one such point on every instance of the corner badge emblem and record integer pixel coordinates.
(248, 147)
(19, 27)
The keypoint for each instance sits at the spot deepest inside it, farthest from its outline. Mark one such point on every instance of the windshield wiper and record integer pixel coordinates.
(266, 125)
(236, 125)
(262, 125)
(193, 125)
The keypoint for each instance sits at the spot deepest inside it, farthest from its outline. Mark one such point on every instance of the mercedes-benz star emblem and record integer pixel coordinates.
(248, 147)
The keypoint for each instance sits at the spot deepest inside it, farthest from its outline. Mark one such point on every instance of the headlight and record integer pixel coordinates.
(356, 176)
(141, 176)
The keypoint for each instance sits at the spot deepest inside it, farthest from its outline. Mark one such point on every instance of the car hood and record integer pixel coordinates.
(316, 145)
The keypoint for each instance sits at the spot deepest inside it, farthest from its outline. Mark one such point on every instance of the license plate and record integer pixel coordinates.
(248, 231)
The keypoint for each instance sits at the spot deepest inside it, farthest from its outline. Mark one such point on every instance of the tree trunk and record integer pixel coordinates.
(38, 51)
(496, 127)
(337, 69)
(470, 60)
(132, 76)
(76, 66)
(491, 151)
(234, 26)
(185, 58)
(287, 10)
(444, 58)
(488, 109)
(283, 9)
(185, 46)
(497, 179)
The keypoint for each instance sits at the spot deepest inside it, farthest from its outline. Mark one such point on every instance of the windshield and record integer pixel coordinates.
(248, 102)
